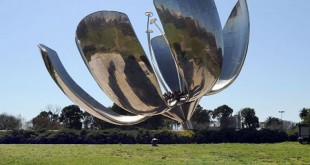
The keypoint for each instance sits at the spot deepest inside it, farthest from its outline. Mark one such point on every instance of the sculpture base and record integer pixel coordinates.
(187, 125)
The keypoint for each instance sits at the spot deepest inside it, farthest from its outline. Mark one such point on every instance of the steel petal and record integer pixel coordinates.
(166, 63)
(115, 58)
(194, 32)
(168, 69)
(236, 40)
(78, 95)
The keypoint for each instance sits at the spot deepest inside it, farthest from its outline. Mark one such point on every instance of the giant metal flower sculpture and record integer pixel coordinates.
(192, 59)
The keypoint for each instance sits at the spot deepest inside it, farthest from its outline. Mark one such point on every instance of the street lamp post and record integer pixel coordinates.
(281, 112)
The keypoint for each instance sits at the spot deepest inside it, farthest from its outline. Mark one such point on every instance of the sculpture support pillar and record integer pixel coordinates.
(187, 125)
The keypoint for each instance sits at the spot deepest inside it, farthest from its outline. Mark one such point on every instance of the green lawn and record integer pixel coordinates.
(281, 153)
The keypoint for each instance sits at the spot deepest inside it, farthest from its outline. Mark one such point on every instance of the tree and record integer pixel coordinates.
(223, 114)
(248, 117)
(71, 117)
(201, 118)
(273, 123)
(305, 115)
(9, 122)
(46, 120)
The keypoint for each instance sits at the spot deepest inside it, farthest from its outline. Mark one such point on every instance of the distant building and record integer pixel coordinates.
(287, 125)
(236, 122)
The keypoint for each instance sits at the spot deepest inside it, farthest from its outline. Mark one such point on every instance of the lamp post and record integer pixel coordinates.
(281, 112)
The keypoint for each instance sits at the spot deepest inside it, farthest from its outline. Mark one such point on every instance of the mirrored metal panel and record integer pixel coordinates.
(78, 95)
(194, 33)
(168, 69)
(236, 39)
(117, 61)
(166, 63)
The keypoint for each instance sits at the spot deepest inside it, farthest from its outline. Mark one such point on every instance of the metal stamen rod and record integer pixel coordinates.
(149, 31)
(153, 21)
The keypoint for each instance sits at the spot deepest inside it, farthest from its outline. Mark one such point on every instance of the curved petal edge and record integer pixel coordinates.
(78, 95)
(236, 40)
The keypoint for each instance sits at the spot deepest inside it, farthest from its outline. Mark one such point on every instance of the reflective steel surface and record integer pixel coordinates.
(182, 113)
(168, 69)
(78, 95)
(166, 63)
(115, 58)
(194, 32)
(192, 57)
(236, 40)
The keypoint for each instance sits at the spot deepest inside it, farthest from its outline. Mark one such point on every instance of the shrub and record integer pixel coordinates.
(142, 136)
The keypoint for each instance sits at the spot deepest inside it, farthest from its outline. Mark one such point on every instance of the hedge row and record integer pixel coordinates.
(115, 136)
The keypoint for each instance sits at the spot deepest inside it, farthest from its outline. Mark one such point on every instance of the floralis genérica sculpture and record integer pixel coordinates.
(193, 57)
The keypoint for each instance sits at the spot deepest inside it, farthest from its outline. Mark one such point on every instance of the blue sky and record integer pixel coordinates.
(275, 75)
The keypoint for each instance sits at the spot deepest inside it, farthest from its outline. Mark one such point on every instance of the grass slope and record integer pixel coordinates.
(281, 153)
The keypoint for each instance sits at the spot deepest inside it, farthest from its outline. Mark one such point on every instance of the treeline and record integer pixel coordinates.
(142, 136)
(72, 117)
(71, 125)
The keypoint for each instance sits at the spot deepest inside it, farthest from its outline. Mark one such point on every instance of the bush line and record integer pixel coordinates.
(142, 136)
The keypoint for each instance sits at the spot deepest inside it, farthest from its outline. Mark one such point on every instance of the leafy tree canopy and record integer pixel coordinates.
(9, 122)
(222, 113)
(249, 118)
(46, 120)
(71, 117)
(201, 118)
(305, 115)
(273, 123)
